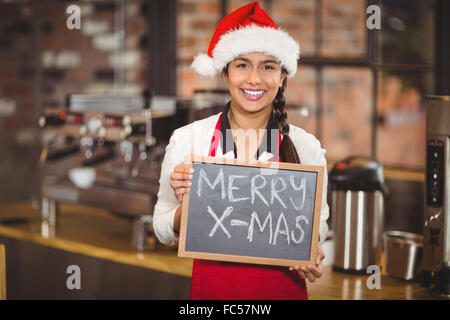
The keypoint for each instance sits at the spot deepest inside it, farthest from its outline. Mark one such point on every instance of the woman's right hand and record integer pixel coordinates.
(181, 180)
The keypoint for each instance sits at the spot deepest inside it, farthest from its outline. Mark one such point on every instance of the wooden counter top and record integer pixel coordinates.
(89, 231)
(335, 285)
(97, 233)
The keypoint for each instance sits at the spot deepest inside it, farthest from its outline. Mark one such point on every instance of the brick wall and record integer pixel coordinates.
(298, 18)
(18, 93)
(344, 28)
(84, 60)
(196, 22)
(42, 61)
(17, 67)
(347, 105)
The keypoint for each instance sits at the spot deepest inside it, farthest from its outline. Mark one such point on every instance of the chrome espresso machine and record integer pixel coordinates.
(436, 246)
(111, 134)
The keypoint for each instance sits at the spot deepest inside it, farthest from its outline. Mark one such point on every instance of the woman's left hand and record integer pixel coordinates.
(311, 272)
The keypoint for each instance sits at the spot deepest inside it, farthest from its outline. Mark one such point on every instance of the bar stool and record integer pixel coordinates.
(2, 272)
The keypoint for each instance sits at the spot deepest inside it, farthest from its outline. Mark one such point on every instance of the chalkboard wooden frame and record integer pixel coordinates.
(182, 252)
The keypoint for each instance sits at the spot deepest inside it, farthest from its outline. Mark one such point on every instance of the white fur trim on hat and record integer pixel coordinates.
(204, 65)
(275, 42)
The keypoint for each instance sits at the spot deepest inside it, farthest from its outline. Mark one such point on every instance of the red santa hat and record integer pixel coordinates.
(248, 29)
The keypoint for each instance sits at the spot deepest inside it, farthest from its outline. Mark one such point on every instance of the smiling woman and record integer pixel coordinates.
(255, 58)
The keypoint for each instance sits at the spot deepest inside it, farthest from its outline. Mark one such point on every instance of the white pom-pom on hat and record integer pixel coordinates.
(204, 65)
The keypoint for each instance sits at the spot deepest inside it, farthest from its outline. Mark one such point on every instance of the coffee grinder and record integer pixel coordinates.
(436, 246)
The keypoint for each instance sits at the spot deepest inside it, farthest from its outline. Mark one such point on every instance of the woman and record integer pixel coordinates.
(255, 58)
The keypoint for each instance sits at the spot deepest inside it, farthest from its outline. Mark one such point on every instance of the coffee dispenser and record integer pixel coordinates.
(436, 246)
(357, 207)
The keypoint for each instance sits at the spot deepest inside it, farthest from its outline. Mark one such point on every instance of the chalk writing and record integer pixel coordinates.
(219, 223)
(239, 211)
(278, 185)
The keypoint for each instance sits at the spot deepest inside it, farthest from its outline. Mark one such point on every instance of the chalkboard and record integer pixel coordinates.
(258, 212)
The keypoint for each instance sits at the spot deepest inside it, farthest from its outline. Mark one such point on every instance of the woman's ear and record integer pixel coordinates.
(225, 76)
(283, 76)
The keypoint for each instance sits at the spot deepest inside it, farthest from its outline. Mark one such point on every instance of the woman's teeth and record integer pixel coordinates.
(253, 93)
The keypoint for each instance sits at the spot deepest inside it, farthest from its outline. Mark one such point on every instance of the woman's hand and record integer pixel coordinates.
(311, 272)
(181, 180)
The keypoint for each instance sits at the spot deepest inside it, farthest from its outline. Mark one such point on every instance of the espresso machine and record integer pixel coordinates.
(436, 246)
(111, 134)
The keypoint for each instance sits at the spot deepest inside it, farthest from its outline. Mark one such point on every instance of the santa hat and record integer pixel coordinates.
(248, 29)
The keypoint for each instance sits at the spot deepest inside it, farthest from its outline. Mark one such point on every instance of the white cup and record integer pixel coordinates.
(82, 177)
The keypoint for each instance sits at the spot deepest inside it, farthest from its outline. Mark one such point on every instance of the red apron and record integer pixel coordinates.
(215, 280)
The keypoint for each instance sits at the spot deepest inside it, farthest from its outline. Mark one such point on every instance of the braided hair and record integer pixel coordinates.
(287, 152)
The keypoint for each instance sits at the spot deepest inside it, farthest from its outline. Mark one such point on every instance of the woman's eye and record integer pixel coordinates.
(267, 67)
(241, 65)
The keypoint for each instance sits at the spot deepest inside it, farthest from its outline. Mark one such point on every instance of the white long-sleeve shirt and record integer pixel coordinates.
(196, 137)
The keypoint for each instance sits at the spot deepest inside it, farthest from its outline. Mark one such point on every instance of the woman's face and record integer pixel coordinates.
(253, 80)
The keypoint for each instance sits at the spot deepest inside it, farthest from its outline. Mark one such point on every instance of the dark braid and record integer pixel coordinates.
(288, 152)
(279, 110)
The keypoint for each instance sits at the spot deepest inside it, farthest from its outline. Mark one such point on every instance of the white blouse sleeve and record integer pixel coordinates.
(166, 205)
(325, 211)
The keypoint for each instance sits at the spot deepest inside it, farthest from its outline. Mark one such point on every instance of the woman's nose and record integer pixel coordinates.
(254, 77)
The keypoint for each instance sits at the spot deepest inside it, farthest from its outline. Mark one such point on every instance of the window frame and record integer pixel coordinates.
(440, 67)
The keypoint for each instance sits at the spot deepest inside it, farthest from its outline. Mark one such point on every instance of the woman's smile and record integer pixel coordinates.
(253, 94)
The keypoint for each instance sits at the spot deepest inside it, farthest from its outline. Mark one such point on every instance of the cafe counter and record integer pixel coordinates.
(39, 257)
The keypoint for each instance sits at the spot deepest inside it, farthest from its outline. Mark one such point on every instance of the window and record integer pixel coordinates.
(405, 76)
(360, 91)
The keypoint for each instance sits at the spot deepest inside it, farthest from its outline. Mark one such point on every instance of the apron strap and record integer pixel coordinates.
(215, 138)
